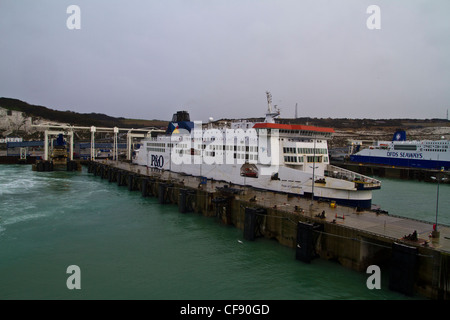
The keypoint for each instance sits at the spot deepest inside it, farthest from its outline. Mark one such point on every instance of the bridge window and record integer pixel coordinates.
(314, 159)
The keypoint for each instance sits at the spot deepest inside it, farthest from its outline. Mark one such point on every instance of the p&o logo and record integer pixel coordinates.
(157, 161)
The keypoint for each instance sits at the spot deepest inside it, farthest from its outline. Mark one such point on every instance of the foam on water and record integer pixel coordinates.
(22, 218)
(28, 195)
(13, 186)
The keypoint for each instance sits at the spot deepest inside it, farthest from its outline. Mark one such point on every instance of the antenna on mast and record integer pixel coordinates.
(271, 115)
(269, 102)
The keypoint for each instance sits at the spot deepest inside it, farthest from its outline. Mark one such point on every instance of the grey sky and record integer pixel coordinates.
(216, 58)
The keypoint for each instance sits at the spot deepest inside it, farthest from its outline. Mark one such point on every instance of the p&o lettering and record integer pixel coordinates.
(157, 161)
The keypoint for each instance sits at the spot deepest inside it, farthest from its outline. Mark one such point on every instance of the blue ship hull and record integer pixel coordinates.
(400, 162)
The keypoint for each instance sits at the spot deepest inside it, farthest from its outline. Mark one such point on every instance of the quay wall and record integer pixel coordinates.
(17, 160)
(412, 269)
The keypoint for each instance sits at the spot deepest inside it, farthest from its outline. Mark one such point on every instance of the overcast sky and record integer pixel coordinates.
(216, 58)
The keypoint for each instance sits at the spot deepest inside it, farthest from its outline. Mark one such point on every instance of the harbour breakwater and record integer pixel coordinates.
(313, 229)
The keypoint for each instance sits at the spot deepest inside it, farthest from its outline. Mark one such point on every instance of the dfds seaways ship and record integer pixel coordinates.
(426, 154)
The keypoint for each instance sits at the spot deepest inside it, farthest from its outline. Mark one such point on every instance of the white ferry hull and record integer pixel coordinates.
(298, 183)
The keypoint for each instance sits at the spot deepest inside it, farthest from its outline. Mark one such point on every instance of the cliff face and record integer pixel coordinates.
(14, 123)
(18, 124)
(17, 116)
(55, 116)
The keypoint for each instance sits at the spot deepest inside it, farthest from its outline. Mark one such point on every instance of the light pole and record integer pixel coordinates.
(313, 171)
(435, 232)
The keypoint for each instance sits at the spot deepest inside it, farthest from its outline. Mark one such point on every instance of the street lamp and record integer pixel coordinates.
(435, 232)
(313, 171)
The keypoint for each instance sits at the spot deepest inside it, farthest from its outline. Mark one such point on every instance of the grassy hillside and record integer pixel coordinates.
(74, 118)
(102, 120)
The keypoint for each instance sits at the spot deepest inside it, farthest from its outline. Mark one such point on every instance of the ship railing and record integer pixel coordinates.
(361, 181)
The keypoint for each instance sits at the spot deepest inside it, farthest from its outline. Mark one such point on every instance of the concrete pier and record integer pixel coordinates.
(356, 239)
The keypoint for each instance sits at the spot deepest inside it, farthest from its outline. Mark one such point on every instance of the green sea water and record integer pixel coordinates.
(414, 199)
(130, 247)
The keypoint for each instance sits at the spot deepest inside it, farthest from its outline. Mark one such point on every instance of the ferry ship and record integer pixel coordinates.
(423, 154)
(266, 155)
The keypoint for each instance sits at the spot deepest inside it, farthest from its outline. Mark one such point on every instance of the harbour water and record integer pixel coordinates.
(130, 247)
(414, 199)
